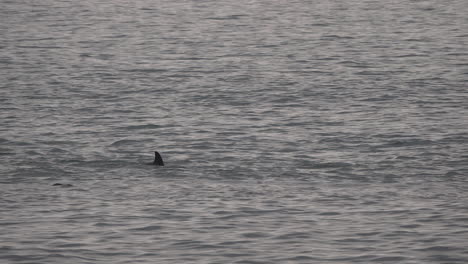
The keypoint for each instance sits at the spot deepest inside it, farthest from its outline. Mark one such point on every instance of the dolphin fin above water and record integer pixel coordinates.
(158, 159)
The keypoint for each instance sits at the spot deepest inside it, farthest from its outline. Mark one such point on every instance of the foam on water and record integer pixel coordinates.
(292, 132)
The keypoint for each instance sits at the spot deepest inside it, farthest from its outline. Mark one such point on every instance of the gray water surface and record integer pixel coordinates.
(292, 131)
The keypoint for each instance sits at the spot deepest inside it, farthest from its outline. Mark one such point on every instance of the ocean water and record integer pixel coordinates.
(325, 131)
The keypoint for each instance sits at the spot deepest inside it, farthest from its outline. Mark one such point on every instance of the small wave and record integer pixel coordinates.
(326, 165)
(149, 126)
(255, 235)
(388, 258)
(231, 17)
(329, 213)
(148, 70)
(370, 73)
(39, 47)
(332, 37)
(440, 248)
(294, 235)
(385, 97)
(123, 142)
(56, 142)
(147, 228)
(406, 143)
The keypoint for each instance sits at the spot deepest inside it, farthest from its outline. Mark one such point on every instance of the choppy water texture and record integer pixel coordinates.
(325, 131)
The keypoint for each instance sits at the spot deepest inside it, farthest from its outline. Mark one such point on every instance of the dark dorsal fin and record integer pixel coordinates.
(158, 159)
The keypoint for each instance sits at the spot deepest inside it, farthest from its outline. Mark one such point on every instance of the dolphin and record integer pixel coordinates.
(158, 161)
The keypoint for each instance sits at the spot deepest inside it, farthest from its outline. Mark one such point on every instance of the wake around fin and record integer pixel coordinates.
(158, 161)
